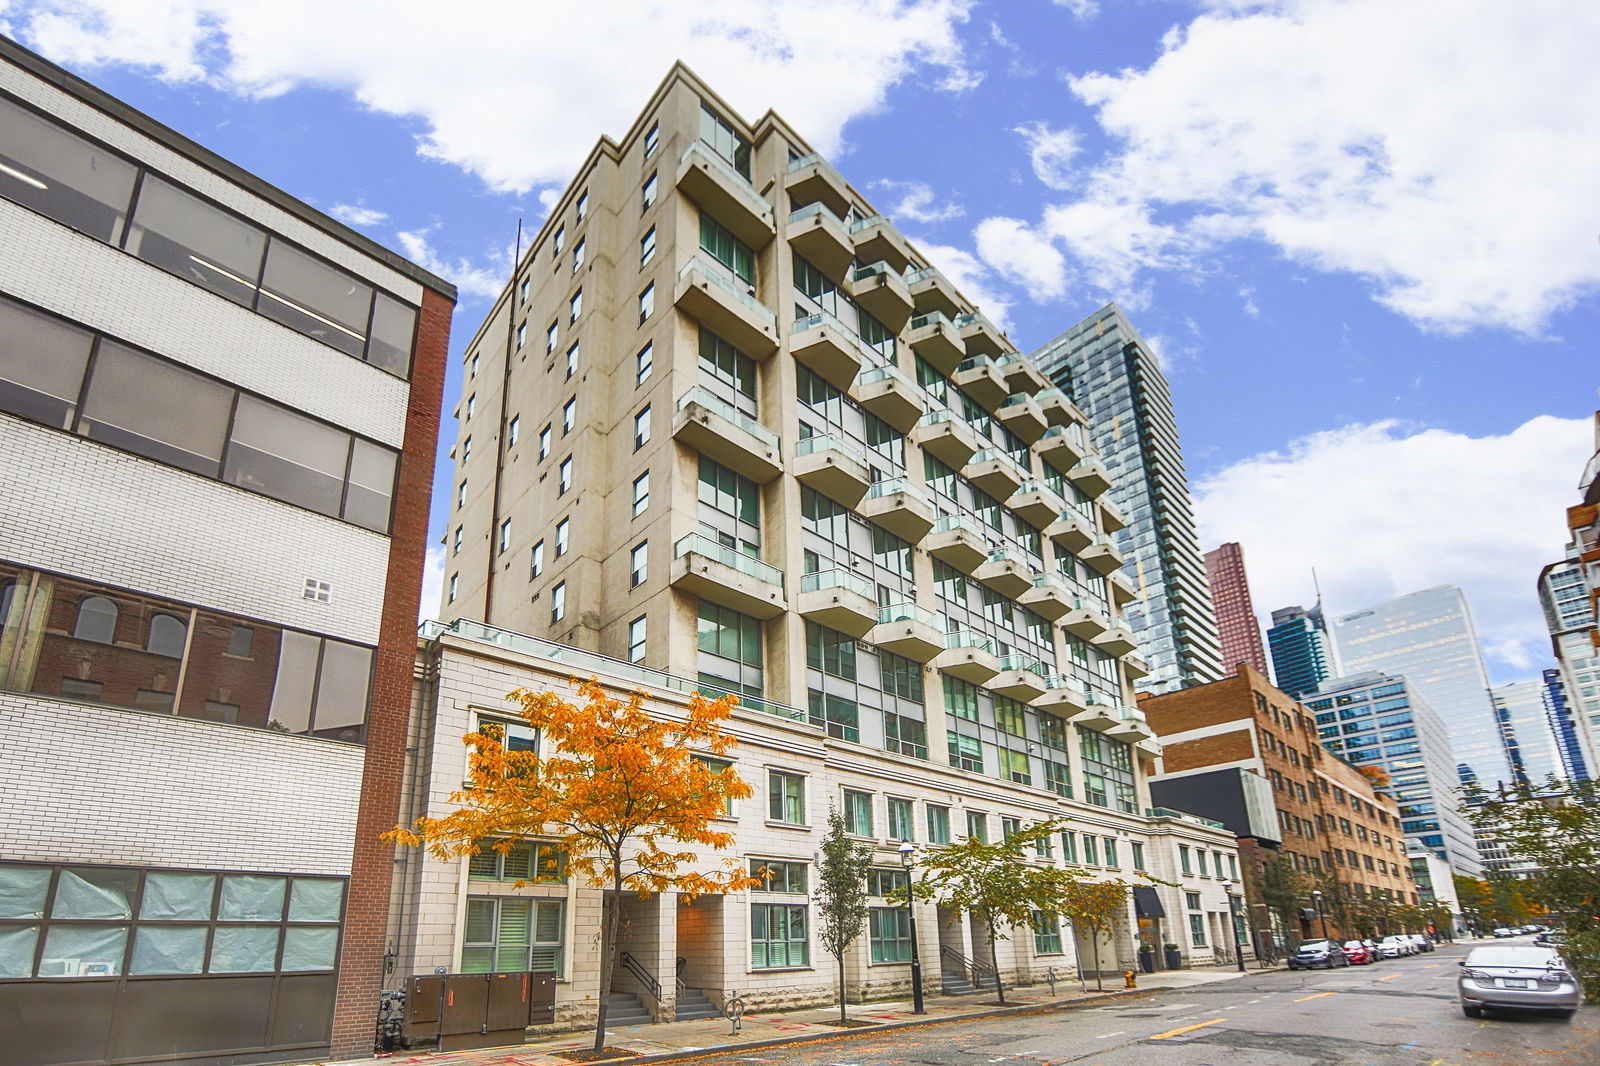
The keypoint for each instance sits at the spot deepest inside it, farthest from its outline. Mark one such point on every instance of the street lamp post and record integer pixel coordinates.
(1233, 925)
(908, 853)
(1316, 899)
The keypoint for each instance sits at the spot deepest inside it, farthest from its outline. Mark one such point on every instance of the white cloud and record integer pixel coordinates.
(915, 201)
(1248, 295)
(497, 93)
(1082, 10)
(481, 281)
(357, 214)
(1391, 141)
(1017, 252)
(432, 584)
(1381, 511)
(1051, 153)
(971, 278)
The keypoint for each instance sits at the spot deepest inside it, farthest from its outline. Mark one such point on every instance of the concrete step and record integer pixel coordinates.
(624, 1009)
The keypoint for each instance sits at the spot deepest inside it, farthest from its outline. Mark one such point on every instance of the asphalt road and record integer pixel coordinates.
(1398, 1012)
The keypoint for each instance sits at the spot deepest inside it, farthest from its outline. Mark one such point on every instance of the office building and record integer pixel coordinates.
(1574, 766)
(1244, 753)
(1237, 628)
(1383, 721)
(1523, 712)
(1569, 613)
(1105, 365)
(727, 428)
(219, 410)
(1436, 884)
(1428, 637)
(1302, 651)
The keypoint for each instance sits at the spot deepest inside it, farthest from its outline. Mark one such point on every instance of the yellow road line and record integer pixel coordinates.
(1391, 977)
(1319, 995)
(1186, 1029)
(1432, 966)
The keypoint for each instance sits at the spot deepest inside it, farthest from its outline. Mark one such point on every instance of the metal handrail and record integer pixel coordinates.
(837, 578)
(972, 968)
(700, 544)
(717, 273)
(910, 612)
(894, 486)
(706, 398)
(966, 638)
(818, 208)
(927, 318)
(828, 442)
(640, 974)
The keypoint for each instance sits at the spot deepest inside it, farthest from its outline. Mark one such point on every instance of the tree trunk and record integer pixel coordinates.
(1094, 944)
(843, 1018)
(994, 961)
(611, 922)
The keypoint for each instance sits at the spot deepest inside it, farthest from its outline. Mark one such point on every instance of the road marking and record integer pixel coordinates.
(1432, 966)
(1186, 1029)
(1391, 977)
(1108, 1036)
(1319, 995)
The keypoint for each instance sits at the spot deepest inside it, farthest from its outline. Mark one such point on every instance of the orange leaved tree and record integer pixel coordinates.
(626, 795)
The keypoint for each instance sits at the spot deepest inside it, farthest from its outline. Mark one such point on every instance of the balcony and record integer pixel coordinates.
(1118, 640)
(876, 239)
(1037, 503)
(909, 630)
(1071, 531)
(934, 338)
(1112, 519)
(1022, 376)
(704, 568)
(833, 466)
(1062, 695)
(1134, 667)
(979, 377)
(969, 656)
(1102, 554)
(712, 182)
(1090, 476)
(931, 291)
(1131, 726)
(708, 293)
(839, 600)
(827, 346)
(1058, 448)
(1006, 572)
(816, 233)
(1022, 416)
(712, 427)
(1021, 677)
(946, 437)
(1085, 619)
(995, 472)
(811, 180)
(981, 336)
(900, 507)
(1100, 713)
(1049, 596)
(1123, 591)
(883, 292)
(959, 540)
(1058, 409)
(889, 394)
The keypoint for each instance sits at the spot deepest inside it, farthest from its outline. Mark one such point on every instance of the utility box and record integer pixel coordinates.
(476, 1010)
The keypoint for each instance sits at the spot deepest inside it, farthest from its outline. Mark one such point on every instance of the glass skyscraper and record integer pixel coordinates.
(1574, 766)
(1302, 653)
(1569, 615)
(1428, 636)
(1523, 715)
(1107, 368)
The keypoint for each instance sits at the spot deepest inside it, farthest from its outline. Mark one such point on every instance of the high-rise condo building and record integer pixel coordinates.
(1105, 366)
(218, 414)
(1428, 637)
(1574, 764)
(1523, 713)
(1302, 651)
(1237, 628)
(1569, 591)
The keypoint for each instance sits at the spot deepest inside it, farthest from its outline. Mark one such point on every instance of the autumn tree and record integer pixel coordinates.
(1094, 906)
(630, 797)
(1472, 895)
(843, 865)
(996, 882)
(1284, 890)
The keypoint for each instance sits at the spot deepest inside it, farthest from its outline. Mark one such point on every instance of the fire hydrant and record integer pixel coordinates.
(1127, 979)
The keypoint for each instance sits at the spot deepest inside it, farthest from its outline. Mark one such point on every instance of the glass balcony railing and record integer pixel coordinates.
(1051, 435)
(805, 161)
(827, 442)
(910, 612)
(705, 398)
(1056, 682)
(700, 544)
(820, 319)
(1005, 555)
(974, 362)
(1051, 581)
(862, 273)
(958, 521)
(838, 579)
(914, 276)
(867, 223)
(1021, 662)
(894, 486)
(1051, 393)
(934, 418)
(965, 638)
(928, 318)
(722, 277)
(1132, 714)
(577, 663)
(812, 209)
(1022, 399)
(728, 170)
(1182, 816)
(1032, 485)
(873, 375)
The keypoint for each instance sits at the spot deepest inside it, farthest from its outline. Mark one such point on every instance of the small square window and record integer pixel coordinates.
(569, 416)
(652, 139)
(466, 449)
(558, 602)
(536, 563)
(572, 360)
(575, 306)
(525, 289)
(583, 205)
(648, 194)
(512, 431)
(641, 428)
(456, 546)
(455, 581)
(636, 639)
(644, 362)
(522, 335)
(565, 481)
(639, 563)
(647, 247)
(550, 337)
(641, 493)
(472, 405)
(461, 495)
(577, 256)
(544, 443)
(563, 528)
(647, 303)
(474, 366)
(560, 241)
(505, 535)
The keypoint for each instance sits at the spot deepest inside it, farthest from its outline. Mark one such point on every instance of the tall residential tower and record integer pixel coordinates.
(1302, 652)
(1236, 614)
(1105, 366)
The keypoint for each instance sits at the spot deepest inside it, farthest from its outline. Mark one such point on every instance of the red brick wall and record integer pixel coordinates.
(372, 862)
(1208, 751)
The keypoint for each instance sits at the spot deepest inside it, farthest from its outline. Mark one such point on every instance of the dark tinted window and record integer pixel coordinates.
(41, 364)
(188, 237)
(131, 404)
(316, 299)
(287, 456)
(60, 174)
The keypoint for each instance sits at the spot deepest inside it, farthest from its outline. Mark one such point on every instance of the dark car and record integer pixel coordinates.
(1318, 954)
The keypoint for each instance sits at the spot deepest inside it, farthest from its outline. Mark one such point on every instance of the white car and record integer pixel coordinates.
(1395, 945)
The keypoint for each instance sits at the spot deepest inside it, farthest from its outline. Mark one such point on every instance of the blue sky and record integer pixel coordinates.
(1362, 234)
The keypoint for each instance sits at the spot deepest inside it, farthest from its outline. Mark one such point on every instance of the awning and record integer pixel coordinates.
(1146, 904)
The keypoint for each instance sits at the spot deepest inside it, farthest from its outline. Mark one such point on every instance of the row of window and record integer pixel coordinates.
(61, 174)
(124, 649)
(1198, 865)
(70, 378)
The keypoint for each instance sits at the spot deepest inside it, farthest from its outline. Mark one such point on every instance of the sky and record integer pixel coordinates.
(1361, 235)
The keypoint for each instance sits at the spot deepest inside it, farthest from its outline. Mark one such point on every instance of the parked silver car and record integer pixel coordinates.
(1517, 978)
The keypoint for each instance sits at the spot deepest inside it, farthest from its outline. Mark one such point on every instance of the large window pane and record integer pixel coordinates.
(393, 325)
(251, 897)
(169, 949)
(59, 174)
(315, 299)
(297, 678)
(95, 892)
(368, 498)
(41, 364)
(131, 404)
(287, 456)
(315, 900)
(342, 691)
(17, 944)
(244, 949)
(200, 243)
(83, 950)
(309, 948)
(23, 890)
(173, 896)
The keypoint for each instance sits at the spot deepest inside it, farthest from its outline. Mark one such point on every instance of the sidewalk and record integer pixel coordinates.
(670, 1040)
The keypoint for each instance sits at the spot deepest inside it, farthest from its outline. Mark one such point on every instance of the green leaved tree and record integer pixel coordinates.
(841, 894)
